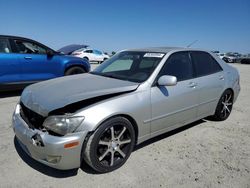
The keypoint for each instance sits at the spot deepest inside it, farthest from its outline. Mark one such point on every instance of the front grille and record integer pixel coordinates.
(33, 119)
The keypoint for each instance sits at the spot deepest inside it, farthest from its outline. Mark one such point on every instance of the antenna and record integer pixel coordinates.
(192, 43)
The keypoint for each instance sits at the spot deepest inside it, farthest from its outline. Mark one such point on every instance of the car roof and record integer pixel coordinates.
(164, 49)
(12, 36)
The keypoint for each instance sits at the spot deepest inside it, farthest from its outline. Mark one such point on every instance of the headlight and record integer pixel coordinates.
(63, 124)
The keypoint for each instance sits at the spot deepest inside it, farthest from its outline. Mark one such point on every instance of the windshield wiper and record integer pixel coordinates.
(112, 76)
(97, 73)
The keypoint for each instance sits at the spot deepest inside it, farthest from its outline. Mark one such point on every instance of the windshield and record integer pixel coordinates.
(130, 66)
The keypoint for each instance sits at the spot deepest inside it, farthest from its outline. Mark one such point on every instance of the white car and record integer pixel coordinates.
(91, 55)
(230, 58)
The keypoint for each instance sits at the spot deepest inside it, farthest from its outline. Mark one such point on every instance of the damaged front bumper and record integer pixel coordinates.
(48, 149)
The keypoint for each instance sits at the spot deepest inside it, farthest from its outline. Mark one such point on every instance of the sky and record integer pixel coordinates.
(114, 25)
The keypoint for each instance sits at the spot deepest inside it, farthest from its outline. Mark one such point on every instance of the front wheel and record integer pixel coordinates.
(74, 70)
(109, 147)
(224, 106)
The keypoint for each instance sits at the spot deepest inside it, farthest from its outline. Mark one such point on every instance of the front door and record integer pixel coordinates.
(173, 106)
(36, 65)
(98, 55)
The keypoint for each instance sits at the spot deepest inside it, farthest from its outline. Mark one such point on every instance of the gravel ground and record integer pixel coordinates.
(202, 154)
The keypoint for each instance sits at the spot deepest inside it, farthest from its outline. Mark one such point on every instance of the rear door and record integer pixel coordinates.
(9, 63)
(36, 65)
(210, 81)
(173, 106)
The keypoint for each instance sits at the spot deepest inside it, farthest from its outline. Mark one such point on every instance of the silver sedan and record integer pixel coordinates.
(137, 94)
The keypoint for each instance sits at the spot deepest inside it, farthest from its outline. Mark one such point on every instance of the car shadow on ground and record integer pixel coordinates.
(168, 134)
(41, 167)
(6, 94)
(85, 167)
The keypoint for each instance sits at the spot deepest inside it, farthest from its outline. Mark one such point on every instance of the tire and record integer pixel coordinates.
(224, 106)
(104, 152)
(74, 70)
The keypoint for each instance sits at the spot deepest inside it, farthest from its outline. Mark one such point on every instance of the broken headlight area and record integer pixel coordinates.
(33, 119)
(62, 124)
(56, 125)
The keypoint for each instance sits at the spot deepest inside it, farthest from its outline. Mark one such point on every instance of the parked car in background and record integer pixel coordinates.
(230, 58)
(24, 61)
(220, 55)
(134, 96)
(91, 55)
(245, 59)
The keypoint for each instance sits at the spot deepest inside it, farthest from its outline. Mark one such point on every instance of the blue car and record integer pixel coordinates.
(24, 61)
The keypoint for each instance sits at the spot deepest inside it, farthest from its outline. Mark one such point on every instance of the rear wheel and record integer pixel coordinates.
(74, 70)
(224, 106)
(109, 147)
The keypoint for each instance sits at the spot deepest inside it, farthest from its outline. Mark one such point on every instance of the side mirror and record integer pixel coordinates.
(166, 80)
(49, 53)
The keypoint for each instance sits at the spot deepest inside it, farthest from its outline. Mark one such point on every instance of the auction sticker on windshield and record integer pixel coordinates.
(159, 55)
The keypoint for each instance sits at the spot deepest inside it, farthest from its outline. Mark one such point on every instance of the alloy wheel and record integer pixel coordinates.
(226, 105)
(114, 145)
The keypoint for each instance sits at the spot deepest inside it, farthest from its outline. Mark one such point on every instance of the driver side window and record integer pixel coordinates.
(25, 47)
(179, 65)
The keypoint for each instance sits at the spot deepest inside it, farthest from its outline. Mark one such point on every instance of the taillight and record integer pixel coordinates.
(77, 53)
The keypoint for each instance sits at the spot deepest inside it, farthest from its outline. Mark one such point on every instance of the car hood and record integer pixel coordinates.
(71, 48)
(50, 95)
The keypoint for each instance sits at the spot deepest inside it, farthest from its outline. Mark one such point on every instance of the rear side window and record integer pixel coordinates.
(4, 46)
(179, 65)
(88, 51)
(204, 64)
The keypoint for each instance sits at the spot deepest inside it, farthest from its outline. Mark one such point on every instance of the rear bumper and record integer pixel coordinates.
(48, 149)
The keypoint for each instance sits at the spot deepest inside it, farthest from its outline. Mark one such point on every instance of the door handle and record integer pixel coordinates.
(221, 77)
(28, 58)
(192, 84)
